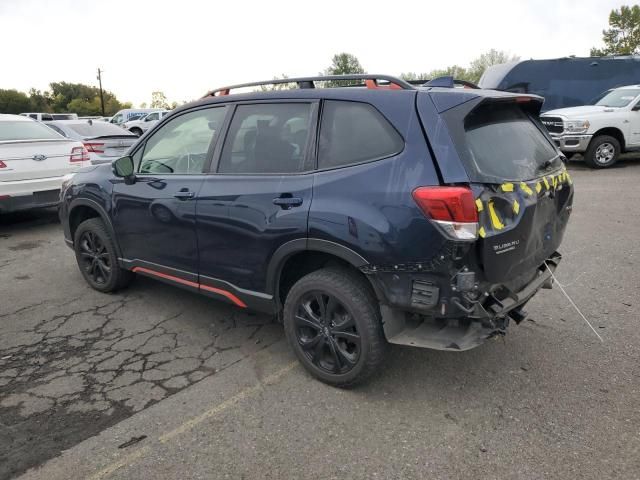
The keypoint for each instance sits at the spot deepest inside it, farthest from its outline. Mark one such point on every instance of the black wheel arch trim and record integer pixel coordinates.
(285, 251)
(87, 202)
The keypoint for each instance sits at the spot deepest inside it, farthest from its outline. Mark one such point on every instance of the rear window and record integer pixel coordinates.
(502, 142)
(26, 131)
(98, 129)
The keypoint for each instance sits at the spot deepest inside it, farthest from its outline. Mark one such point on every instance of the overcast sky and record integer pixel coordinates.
(186, 47)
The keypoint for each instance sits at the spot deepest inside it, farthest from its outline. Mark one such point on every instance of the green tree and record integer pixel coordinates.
(492, 57)
(13, 101)
(344, 64)
(159, 100)
(623, 38)
(39, 101)
(63, 94)
(85, 107)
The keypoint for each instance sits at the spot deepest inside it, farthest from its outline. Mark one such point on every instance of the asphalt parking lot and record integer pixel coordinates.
(156, 382)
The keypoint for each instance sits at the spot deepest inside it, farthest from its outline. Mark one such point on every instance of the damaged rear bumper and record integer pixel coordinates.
(477, 321)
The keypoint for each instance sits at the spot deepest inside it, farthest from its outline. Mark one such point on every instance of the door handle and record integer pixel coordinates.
(184, 194)
(287, 202)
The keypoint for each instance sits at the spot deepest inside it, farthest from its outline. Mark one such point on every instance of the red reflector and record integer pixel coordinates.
(523, 99)
(79, 154)
(449, 204)
(2, 164)
(94, 147)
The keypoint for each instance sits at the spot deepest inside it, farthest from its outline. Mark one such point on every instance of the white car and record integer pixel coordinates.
(34, 161)
(600, 132)
(129, 114)
(47, 117)
(141, 125)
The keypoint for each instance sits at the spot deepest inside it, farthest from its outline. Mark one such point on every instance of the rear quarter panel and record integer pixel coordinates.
(368, 207)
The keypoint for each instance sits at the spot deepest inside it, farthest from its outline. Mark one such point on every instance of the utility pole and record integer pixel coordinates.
(101, 94)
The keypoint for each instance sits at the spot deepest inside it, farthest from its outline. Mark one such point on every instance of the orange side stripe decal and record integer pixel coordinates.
(166, 276)
(229, 295)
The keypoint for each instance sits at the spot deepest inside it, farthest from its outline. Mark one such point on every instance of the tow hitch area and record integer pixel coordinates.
(482, 316)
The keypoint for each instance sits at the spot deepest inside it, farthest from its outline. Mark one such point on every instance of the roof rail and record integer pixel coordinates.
(370, 81)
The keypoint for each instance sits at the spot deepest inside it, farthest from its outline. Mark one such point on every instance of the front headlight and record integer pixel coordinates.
(576, 126)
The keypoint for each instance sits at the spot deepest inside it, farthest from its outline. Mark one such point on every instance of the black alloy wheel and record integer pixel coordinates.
(327, 332)
(333, 324)
(95, 258)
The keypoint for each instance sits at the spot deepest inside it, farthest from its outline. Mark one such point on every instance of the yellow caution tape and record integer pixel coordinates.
(516, 207)
(495, 219)
(525, 188)
(546, 183)
(538, 187)
(507, 187)
(554, 181)
(479, 205)
(481, 232)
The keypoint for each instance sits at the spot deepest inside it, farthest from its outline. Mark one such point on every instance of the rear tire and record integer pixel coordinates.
(136, 131)
(332, 322)
(97, 258)
(603, 152)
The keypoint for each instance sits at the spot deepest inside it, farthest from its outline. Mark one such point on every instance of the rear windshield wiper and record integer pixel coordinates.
(547, 164)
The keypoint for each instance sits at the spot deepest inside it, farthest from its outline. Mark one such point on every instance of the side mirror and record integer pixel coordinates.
(123, 168)
(636, 107)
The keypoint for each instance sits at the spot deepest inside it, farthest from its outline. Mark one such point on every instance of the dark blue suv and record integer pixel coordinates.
(378, 212)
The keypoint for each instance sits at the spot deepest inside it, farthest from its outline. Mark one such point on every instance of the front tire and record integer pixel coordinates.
(332, 322)
(97, 258)
(603, 152)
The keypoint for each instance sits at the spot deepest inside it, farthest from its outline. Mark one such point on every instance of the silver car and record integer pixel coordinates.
(105, 142)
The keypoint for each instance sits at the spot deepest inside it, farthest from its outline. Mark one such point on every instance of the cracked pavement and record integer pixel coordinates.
(74, 361)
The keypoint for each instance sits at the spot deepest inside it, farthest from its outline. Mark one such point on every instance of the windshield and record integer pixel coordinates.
(501, 142)
(619, 98)
(11, 130)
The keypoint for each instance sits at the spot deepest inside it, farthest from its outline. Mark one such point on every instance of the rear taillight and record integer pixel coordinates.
(2, 164)
(79, 154)
(451, 208)
(94, 147)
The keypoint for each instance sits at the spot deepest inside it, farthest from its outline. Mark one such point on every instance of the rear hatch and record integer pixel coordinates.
(522, 190)
(37, 159)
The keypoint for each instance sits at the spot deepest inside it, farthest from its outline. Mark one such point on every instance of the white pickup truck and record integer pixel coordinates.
(600, 132)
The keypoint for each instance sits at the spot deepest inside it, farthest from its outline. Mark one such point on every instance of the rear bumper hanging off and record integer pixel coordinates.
(477, 323)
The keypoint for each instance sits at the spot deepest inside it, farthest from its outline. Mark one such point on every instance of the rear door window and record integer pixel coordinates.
(501, 142)
(267, 138)
(352, 132)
